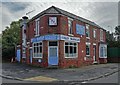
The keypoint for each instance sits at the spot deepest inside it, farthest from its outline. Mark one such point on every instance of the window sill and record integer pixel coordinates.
(37, 57)
(23, 57)
(88, 37)
(87, 55)
(102, 40)
(70, 34)
(71, 57)
(36, 35)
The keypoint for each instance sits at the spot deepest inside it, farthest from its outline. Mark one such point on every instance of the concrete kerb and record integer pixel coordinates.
(93, 78)
(9, 77)
(84, 80)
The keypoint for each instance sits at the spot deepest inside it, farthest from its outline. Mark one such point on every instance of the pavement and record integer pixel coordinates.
(23, 72)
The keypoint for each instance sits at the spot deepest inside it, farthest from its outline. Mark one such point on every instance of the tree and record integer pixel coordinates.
(10, 37)
(117, 32)
(109, 36)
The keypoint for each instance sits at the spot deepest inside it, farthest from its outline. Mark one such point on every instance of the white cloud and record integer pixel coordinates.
(60, 1)
(102, 13)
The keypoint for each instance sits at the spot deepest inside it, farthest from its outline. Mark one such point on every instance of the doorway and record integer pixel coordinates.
(53, 53)
(94, 54)
(31, 55)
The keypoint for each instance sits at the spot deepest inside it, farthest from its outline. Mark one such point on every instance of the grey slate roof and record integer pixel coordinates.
(55, 10)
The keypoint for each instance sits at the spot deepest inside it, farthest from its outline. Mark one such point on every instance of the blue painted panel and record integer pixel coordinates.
(51, 37)
(57, 37)
(18, 55)
(80, 29)
(53, 58)
(30, 55)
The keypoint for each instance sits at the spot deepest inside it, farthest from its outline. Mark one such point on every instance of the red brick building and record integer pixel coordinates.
(56, 37)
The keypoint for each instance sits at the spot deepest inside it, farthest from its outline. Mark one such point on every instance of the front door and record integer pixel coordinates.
(94, 54)
(53, 53)
(31, 56)
(18, 55)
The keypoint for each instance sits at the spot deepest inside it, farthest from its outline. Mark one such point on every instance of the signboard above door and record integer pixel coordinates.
(56, 37)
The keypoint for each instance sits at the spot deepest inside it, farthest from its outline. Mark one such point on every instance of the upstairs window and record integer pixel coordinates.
(70, 26)
(101, 35)
(37, 26)
(94, 33)
(87, 31)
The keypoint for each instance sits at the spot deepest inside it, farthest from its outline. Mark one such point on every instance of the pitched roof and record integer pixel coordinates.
(55, 10)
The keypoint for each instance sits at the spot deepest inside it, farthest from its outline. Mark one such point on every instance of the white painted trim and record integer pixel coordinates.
(103, 45)
(88, 37)
(70, 18)
(88, 43)
(53, 47)
(18, 45)
(28, 42)
(47, 14)
(94, 43)
(70, 34)
(87, 55)
(33, 49)
(101, 39)
(94, 54)
(76, 50)
(85, 58)
(37, 19)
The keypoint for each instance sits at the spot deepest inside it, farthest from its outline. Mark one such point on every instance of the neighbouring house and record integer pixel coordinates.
(56, 37)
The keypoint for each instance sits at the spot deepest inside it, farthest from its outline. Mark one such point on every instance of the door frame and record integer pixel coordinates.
(57, 51)
(94, 54)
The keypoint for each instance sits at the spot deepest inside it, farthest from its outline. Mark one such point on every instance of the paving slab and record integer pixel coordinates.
(27, 72)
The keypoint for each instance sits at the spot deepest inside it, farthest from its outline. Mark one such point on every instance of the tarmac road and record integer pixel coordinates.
(109, 79)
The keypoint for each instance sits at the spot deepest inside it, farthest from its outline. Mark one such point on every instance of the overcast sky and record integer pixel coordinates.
(104, 14)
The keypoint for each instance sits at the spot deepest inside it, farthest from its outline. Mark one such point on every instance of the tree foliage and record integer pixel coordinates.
(117, 30)
(110, 38)
(10, 38)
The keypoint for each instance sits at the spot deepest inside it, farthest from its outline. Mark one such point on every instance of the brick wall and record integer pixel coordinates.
(62, 28)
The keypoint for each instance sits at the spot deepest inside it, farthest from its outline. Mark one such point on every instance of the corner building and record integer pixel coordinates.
(56, 37)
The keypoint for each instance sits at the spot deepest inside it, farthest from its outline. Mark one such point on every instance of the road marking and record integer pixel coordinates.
(41, 79)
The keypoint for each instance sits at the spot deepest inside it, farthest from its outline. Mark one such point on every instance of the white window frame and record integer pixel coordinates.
(37, 27)
(70, 45)
(39, 46)
(23, 50)
(101, 35)
(70, 26)
(104, 51)
(94, 33)
(87, 30)
(88, 44)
